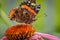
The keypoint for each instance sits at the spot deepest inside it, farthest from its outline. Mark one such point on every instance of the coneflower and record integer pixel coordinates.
(25, 32)
(19, 32)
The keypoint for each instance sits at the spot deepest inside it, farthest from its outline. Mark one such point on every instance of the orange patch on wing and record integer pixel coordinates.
(12, 12)
(29, 9)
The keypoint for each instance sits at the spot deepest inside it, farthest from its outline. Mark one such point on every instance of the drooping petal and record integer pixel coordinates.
(4, 38)
(48, 36)
(36, 37)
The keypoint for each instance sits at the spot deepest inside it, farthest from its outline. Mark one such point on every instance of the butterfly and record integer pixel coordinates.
(26, 12)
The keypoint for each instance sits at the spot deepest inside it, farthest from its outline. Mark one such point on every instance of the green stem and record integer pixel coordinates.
(5, 17)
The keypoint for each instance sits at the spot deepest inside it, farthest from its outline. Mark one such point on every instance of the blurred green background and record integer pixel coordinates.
(48, 19)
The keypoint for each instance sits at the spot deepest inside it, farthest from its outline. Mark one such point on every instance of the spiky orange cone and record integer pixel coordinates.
(19, 32)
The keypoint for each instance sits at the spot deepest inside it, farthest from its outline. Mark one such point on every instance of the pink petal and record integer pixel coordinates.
(36, 37)
(48, 36)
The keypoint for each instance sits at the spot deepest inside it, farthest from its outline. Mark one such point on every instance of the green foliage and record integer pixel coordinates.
(41, 19)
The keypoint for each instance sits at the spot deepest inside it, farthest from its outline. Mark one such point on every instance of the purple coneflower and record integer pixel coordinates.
(25, 32)
(38, 36)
